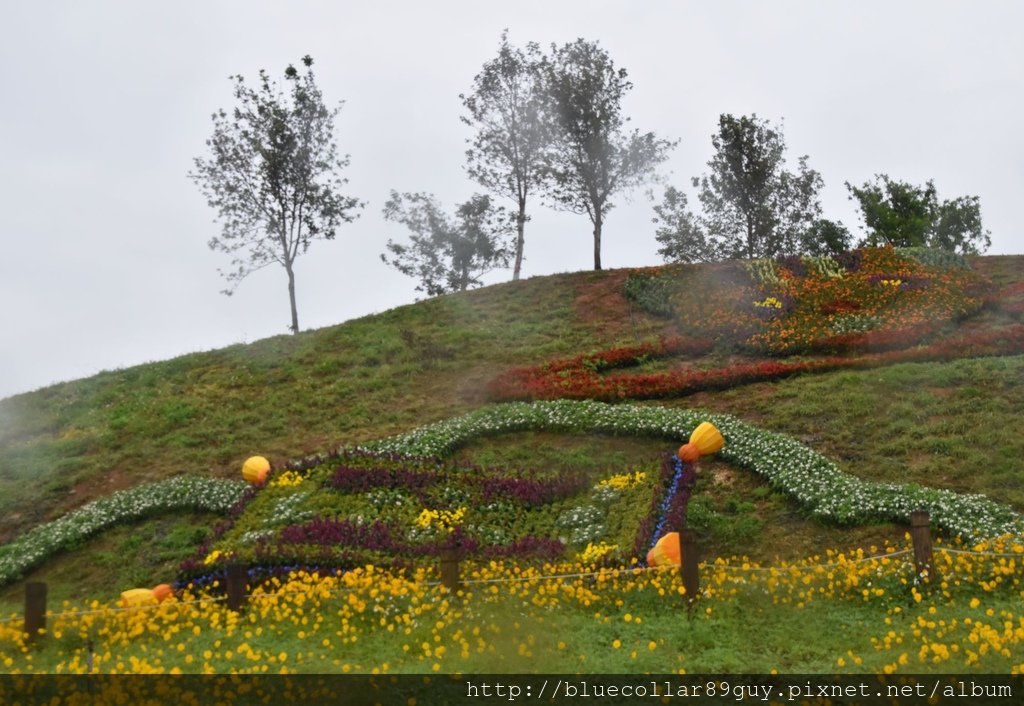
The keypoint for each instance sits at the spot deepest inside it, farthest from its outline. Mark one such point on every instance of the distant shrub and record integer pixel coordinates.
(652, 293)
(934, 257)
(824, 266)
(763, 271)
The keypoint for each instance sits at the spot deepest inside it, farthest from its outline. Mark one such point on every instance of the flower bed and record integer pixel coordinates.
(797, 305)
(540, 384)
(388, 509)
(814, 482)
(381, 622)
(870, 308)
(888, 292)
(565, 378)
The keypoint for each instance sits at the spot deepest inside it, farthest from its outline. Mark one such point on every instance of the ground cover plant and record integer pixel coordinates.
(176, 494)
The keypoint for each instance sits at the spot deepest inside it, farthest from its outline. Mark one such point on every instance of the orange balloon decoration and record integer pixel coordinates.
(256, 470)
(705, 440)
(134, 597)
(689, 453)
(666, 551)
(162, 592)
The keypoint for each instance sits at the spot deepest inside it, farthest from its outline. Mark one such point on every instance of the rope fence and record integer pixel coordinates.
(237, 593)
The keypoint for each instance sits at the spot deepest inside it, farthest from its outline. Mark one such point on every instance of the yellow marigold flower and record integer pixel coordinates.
(595, 552)
(623, 481)
(446, 520)
(287, 479)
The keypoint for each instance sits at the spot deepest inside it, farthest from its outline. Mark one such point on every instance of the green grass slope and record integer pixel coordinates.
(289, 395)
(947, 425)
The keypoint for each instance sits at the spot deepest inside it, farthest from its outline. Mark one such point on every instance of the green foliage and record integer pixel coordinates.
(652, 292)
(823, 266)
(733, 523)
(825, 238)
(903, 215)
(763, 270)
(593, 158)
(447, 255)
(935, 257)
(510, 114)
(680, 233)
(751, 205)
(273, 176)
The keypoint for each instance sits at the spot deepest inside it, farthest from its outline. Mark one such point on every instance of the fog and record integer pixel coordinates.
(105, 262)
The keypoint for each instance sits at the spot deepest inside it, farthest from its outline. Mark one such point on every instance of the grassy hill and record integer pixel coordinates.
(950, 424)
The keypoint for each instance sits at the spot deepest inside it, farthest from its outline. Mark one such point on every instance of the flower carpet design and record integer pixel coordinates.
(393, 500)
(808, 316)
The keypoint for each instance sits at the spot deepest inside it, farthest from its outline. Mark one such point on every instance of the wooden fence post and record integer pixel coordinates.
(920, 534)
(450, 569)
(236, 580)
(35, 608)
(688, 566)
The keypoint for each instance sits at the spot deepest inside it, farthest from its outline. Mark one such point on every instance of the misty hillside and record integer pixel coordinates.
(374, 377)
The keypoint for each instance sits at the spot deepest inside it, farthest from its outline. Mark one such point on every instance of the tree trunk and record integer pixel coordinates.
(597, 242)
(291, 297)
(520, 228)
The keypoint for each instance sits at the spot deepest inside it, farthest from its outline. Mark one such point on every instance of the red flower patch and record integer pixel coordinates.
(579, 383)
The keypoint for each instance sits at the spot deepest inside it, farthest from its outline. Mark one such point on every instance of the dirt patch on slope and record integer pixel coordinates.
(601, 302)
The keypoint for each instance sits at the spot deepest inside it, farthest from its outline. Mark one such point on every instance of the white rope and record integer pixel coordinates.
(129, 609)
(807, 567)
(1010, 555)
(551, 577)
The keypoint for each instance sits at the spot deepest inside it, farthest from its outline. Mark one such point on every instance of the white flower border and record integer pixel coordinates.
(180, 493)
(814, 482)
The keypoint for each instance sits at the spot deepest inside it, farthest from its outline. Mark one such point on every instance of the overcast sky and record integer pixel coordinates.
(104, 262)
